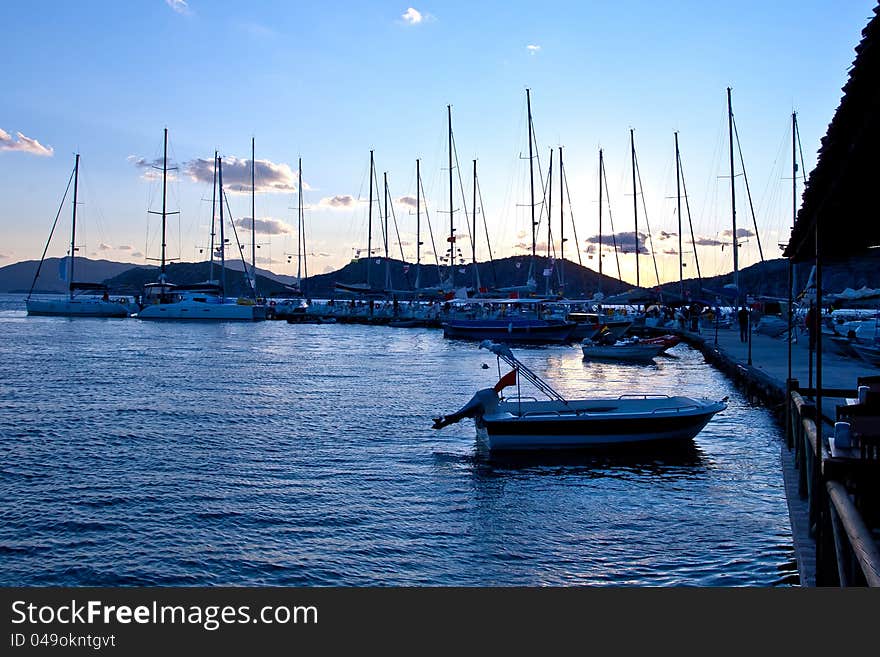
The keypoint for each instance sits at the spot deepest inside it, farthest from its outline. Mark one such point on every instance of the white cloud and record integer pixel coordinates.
(179, 6)
(265, 226)
(270, 177)
(412, 16)
(104, 247)
(23, 144)
(409, 201)
(533, 49)
(152, 168)
(338, 202)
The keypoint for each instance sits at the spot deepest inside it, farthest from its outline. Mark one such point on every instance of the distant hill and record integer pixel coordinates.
(17, 277)
(190, 273)
(770, 278)
(504, 272)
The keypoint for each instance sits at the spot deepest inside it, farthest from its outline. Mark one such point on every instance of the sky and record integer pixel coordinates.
(330, 82)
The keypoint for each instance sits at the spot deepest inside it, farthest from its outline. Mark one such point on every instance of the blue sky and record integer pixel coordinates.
(330, 82)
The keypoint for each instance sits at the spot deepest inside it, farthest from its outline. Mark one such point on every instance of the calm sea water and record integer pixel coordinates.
(137, 453)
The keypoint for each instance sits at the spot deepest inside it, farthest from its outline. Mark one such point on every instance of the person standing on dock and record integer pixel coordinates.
(743, 318)
(810, 321)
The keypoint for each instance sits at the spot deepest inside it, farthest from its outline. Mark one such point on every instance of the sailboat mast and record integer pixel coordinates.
(733, 196)
(549, 223)
(561, 228)
(451, 211)
(678, 210)
(164, 212)
(222, 237)
(531, 179)
(387, 266)
(601, 171)
(370, 223)
(253, 220)
(299, 223)
(474, 236)
(213, 217)
(632, 142)
(418, 225)
(73, 225)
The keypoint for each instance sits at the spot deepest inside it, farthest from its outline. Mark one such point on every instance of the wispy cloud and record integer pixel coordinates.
(626, 242)
(338, 202)
(409, 201)
(124, 247)
(179, 6)
(152, 169)
(533, 49)
(270, 176)
(257, 30)
(4, 256)
(740, 232)
(265, 226)
(23, 144)
(707, 241)
(413, 16)
(104, 247)
(137, 254)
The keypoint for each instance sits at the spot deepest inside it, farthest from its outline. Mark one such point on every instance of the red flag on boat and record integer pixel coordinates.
(508, 379)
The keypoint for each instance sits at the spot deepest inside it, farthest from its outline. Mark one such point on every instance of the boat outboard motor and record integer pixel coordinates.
(484, 401)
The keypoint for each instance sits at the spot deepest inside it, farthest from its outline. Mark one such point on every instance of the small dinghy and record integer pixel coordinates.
(521, 423)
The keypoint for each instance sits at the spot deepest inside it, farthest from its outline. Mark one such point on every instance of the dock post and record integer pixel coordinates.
(791, 385)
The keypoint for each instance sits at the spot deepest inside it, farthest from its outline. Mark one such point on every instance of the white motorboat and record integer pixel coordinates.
(201, 302)
(634, 350)
(521, 423)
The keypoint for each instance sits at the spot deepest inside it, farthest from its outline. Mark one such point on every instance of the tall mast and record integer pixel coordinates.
(678, 202)
(549, 223)
(601, 171)
(733, 196)
(418, 226)
(73, 225)
(451, 211)
(253, 220)
(387, 266)
(531, 181)
(561, 227)
(213, 217)
(299, 224)
(474, 235)
(302, 223)
(222, 238)
(632, 142)
(164, 212)
(370, 223)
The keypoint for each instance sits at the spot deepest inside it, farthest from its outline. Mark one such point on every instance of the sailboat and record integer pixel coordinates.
(367, 287)
(203, 301)
(83, 299)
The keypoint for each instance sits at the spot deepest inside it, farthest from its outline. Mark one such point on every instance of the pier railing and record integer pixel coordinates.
(843, 495)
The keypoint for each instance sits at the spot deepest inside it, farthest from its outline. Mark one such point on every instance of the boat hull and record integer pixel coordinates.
(524, 332)
(552, 426)
(78, 308)
(633, 353)
(198, 311)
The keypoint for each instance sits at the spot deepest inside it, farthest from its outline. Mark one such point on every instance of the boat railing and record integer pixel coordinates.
(644, 396)
(839, 491)
(519, 398)
(675, 409)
